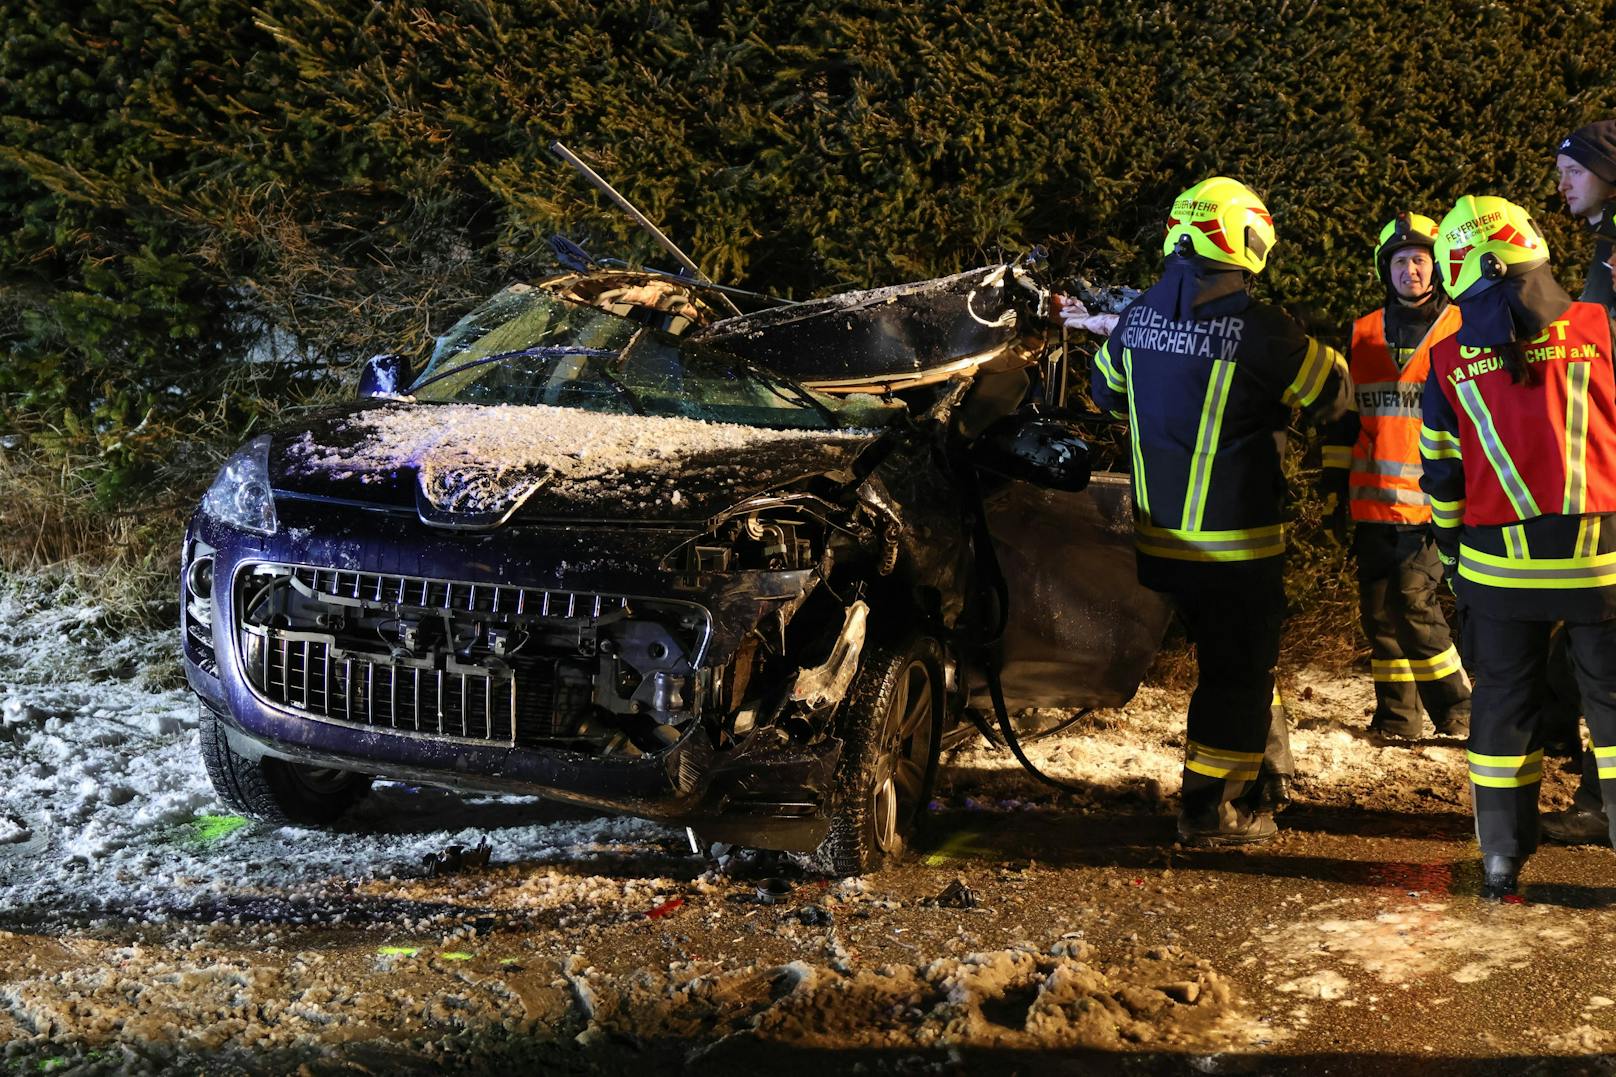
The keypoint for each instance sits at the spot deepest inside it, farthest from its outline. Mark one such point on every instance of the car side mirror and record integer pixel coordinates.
(1045, 450)
(384, 375)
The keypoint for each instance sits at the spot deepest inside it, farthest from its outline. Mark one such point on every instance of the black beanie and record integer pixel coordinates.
(1594, 147)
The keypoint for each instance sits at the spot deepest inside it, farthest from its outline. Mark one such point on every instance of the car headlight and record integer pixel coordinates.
(241, 496)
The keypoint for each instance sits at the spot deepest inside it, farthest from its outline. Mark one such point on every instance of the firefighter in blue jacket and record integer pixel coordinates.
(1518, 440)
(1207, 378)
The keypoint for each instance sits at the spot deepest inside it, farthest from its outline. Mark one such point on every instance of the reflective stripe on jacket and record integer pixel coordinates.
(1522, 477)
(1384, 480)
(1207, 400)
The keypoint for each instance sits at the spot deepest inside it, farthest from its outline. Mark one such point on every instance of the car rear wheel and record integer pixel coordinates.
(274, 790)
(891, 731)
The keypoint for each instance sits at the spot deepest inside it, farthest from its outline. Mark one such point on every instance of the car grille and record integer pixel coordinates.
(525, 698)
(309, 673)
(415, 592)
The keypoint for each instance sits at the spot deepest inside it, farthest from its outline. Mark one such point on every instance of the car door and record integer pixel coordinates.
(1081, 630)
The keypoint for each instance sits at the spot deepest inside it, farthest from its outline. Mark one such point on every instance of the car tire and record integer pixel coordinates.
(891, 732)
(274, 790)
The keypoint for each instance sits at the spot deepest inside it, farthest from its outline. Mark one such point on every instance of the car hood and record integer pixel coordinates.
(477, 466)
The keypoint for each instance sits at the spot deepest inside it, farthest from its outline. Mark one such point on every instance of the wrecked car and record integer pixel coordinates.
(612, 547)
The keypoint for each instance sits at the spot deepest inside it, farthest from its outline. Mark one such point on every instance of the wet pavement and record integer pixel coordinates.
(1355, 942)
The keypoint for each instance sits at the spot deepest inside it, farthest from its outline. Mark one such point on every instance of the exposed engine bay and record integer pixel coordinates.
(600, 674)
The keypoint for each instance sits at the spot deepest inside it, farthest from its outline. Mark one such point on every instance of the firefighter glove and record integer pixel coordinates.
(1336, 523)
(1075, 315)
(1450, 569)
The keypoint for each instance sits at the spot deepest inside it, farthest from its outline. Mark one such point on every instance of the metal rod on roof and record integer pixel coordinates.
(628, 207)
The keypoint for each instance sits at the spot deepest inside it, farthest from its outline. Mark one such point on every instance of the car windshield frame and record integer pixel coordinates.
(527, 346)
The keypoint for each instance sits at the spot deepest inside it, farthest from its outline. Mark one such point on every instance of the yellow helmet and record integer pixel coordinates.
(1223, 221)
(1404, 230)
(1483, 240)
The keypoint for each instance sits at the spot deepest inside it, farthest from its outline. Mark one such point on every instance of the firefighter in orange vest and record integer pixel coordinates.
(1372, 467)
(1519, 445)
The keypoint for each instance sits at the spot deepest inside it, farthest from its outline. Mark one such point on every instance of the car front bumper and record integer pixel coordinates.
(762, 788)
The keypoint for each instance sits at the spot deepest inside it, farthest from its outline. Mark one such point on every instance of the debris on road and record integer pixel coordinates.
(456, 858)
(956, 895)
(664, 909)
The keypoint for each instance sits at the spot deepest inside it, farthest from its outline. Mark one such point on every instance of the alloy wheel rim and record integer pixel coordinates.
(907, 735)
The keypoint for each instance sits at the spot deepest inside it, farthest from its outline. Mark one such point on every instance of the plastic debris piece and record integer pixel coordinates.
(210, 828)
(664, 909)
(398, 951)
(813, 915)
(956, 895)
(456, 955)
(456, 858)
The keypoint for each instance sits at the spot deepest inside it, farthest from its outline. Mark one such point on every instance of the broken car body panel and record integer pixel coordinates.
(887, 339)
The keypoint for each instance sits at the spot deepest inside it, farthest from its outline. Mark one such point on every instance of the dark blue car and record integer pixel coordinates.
(582, 557)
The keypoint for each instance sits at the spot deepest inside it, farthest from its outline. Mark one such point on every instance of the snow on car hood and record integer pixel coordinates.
(479, 463)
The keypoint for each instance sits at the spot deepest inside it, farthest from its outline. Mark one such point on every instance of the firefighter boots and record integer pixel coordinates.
(1456, 723)
(1272, 794)
(1498, 876)
(1576, 826)
(1226, 824)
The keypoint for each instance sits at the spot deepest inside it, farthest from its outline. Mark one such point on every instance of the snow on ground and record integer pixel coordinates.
(109, 810)
(1403, 945)
(149, 928)
(108, 806)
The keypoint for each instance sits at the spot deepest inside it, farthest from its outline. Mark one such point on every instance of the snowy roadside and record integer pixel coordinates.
(142, 928)
(108, 810)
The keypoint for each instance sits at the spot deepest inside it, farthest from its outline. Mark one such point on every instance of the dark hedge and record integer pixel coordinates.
(191, 185)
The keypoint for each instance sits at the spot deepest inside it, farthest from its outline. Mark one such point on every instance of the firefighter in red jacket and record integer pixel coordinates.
(1519, 445)
(1207, 377)
(1372, 467)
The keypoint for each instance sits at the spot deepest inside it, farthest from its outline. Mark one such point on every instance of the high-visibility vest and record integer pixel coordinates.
(1384, 483)
(1546, 447)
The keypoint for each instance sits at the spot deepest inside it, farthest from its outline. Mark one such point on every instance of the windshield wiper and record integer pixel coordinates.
(542, 350)
(797, 395)
(623, 391)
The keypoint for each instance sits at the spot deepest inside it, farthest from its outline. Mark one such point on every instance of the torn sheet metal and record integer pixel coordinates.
(887, 339)
(828, 683)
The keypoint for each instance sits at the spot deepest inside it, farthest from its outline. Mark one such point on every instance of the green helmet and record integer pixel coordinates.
(1223, 221)
(1482, 241)
(1404, 230)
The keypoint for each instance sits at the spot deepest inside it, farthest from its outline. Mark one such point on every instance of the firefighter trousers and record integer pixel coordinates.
(1510, 660)
(1411, 650)
(1237, 728)
(1562, 715)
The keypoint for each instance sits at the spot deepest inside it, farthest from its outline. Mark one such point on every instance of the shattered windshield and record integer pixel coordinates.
(524, 346)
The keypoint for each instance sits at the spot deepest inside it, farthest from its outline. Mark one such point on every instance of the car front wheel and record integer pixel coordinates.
(891, 731)
(274, 790)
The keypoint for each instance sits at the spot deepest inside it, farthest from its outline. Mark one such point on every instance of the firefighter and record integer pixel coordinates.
(1519, 445)
(1372, 469)
(1207, 378)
